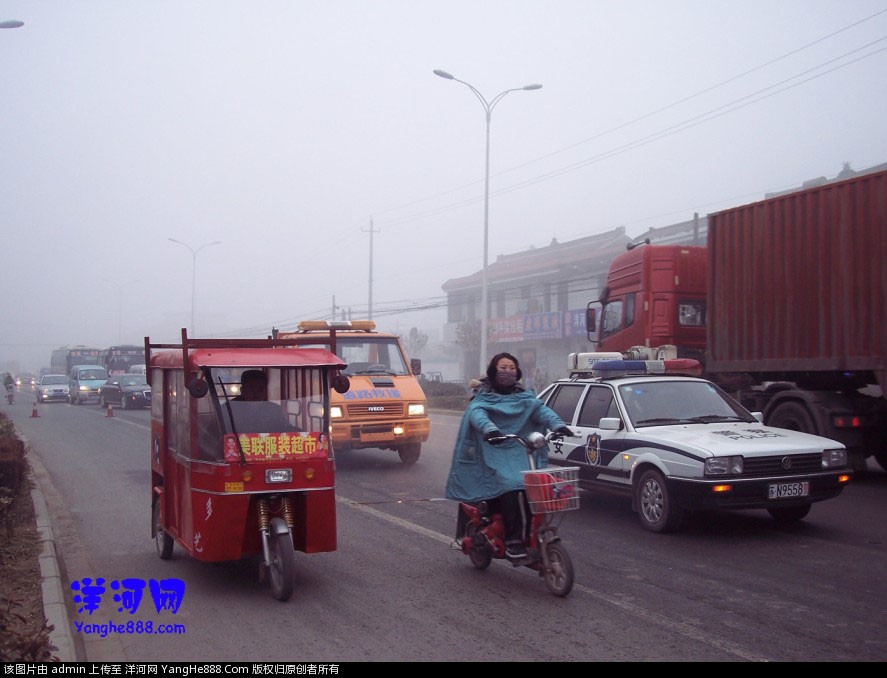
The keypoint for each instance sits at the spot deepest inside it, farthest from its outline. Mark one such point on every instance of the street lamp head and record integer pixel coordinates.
(443, 74)
(11, 24)
(533, 86)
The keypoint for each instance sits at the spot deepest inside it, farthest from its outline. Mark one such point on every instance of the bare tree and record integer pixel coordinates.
(415, 342)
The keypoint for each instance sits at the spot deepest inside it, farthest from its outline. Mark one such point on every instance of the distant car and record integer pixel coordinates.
(52, 387)
(130, 391)
(84, 382)
(677, 444)
(25, 379)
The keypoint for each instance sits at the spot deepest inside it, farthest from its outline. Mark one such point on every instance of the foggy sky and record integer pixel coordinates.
(300, 133)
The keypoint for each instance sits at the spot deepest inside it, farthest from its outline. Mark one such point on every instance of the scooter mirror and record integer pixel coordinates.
(536, 440)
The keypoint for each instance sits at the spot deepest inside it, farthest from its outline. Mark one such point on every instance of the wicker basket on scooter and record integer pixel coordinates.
(552, 489)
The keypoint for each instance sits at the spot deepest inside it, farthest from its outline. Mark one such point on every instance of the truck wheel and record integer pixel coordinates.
(789, 514)
(794, 416)
(409, 453)
(656, 510)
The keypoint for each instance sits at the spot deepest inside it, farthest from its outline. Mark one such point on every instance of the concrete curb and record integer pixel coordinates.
(54, 606)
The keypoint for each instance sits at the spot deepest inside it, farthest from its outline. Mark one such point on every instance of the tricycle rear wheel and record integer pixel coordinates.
(282, 570)
(162, 540)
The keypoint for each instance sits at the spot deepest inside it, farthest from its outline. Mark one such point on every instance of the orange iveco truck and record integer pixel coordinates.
(385, 407)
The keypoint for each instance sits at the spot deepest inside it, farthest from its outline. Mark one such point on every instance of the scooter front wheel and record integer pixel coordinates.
(282, 569)
(558, 569)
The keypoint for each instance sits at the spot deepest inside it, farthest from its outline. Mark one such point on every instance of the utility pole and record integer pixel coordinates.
(370, 305)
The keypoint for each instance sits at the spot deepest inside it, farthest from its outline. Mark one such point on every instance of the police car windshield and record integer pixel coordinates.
(664, 403)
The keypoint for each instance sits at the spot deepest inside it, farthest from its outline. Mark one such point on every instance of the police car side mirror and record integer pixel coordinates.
(611, 423)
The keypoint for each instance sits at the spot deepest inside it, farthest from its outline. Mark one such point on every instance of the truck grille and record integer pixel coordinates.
(369, 411)
(769, 466)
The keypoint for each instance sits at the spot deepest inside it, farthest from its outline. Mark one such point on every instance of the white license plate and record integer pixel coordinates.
(788, 490)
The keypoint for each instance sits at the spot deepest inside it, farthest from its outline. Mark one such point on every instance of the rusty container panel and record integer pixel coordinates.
(798, 282)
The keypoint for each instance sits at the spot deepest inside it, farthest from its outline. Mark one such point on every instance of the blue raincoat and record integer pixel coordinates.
(483, 471)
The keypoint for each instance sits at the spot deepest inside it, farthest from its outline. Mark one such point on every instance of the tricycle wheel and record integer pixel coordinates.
(559, 570)
(480, 553)
(283, 562)
(162, 540)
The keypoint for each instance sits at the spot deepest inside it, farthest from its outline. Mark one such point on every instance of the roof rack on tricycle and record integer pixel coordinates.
(241, 458)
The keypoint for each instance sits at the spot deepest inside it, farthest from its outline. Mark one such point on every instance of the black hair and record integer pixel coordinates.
(253, 375)
(491, 368)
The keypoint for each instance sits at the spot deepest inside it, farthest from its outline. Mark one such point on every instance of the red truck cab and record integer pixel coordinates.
(655, 303)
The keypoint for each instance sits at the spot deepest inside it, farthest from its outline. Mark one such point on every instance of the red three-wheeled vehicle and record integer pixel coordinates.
(241, 458)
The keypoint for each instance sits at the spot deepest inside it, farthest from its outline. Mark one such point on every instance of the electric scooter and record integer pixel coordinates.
(551, 492)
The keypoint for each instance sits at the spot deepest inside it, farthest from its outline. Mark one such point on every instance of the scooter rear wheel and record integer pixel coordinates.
(559, 572)
(480, 553)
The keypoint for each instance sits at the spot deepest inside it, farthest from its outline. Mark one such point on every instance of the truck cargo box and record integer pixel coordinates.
(798, 282)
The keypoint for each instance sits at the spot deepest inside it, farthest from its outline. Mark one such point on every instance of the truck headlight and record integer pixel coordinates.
(723, 466)
(335, 411)
(834, 458)
(416, 410)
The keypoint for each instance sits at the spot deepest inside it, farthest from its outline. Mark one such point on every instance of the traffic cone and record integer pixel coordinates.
(110, 411)
(34, 413)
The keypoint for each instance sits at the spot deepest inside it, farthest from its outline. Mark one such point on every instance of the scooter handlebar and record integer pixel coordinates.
(533, 441)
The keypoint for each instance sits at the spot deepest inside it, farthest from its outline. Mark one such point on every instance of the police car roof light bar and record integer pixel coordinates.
(618, 368)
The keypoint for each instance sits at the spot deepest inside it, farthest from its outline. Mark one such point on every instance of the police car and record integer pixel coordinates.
(676, 443)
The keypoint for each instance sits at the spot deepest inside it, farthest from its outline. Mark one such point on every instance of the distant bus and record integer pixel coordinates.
(119, 359)
(64, 358)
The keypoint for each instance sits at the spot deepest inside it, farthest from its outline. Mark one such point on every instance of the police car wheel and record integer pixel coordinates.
(789, 514)
(656, 510)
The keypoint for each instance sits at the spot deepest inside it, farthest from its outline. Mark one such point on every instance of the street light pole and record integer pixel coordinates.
(484, 292)
(194, 273)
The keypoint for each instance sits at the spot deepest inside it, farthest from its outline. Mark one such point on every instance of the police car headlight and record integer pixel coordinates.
(335, 411)
(834, 458)
(416, 410)
(723, 466)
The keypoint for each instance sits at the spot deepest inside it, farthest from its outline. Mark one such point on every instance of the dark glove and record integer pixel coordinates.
(489, 435)
(564, 431)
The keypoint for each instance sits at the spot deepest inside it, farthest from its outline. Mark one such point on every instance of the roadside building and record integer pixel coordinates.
(538, 299)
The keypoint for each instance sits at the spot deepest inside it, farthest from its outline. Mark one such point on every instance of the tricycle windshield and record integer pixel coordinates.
(267, 414)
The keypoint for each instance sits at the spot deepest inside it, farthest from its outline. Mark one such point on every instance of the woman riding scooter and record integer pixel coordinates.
(10, 389)
(483, 469)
